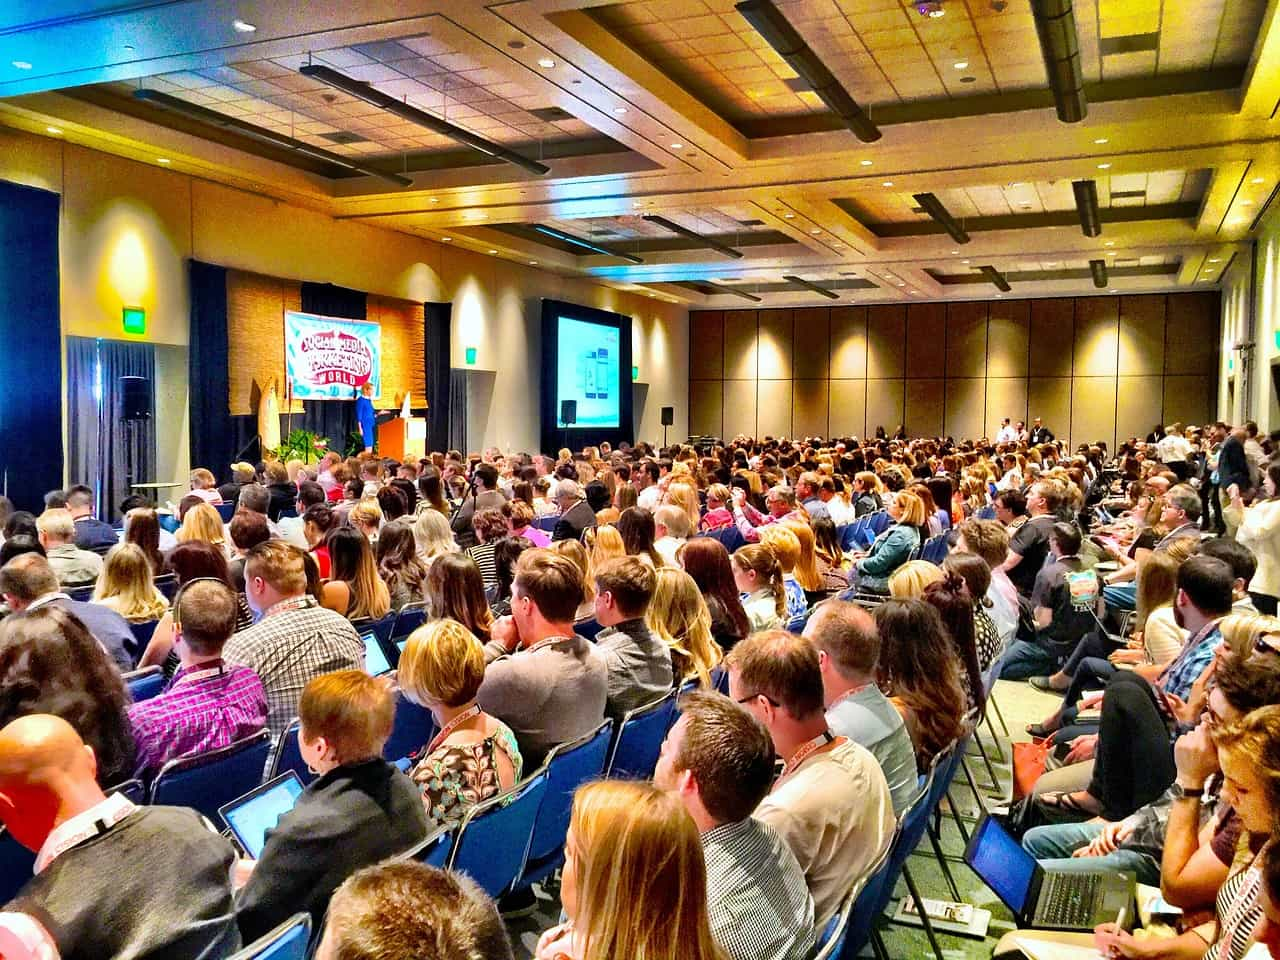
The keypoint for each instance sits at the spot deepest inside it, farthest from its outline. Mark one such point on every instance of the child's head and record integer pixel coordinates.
(346, 717)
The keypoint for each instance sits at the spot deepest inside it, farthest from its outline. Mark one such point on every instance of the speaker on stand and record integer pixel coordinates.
(568, 416)
(668, 418)
(135, 408)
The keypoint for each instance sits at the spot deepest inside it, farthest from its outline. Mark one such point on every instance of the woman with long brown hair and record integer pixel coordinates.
(638, 534)
(455, 590)
(142, 527)
(354, 588)
(635, 882)
(708, 562)
(398, 564)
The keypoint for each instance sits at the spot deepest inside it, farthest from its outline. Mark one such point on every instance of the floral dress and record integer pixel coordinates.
(456, 776)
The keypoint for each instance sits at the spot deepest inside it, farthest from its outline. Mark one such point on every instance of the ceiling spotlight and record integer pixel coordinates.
(54, 130)
(491, 252)
(955, 252)
(21, 65)
(434, 200)
(1215, 259)
(546, 63)
(964, 261)
(789, 216)
(447, 239)
(620, 111)
(243, 26)
(1104, 166)
(961, 64)
(1109, 243)
(1246, 203)
(1101, 140)
(1258, 180)
(865, 163)
(815, 232)
(931, 8)
(677, 146)
(164, 160)
(533, 263)
(887, 183)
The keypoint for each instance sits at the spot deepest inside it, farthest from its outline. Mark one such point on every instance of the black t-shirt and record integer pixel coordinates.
(1072, 618)
(1031, 542)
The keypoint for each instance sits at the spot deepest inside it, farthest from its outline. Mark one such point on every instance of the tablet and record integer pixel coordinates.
(259, 810)
(375, 657)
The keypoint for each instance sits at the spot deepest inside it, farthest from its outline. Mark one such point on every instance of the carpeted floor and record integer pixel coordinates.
(1021, 704)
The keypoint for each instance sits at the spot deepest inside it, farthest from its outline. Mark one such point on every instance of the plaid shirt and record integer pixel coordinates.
(199, 711)
(295, 641)
(1178, 677)
(757, 900)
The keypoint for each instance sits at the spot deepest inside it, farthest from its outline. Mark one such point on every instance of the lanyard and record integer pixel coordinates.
(847, 695)
(197, 675)
(546, 642)
(805, 751)
(452, 725)
(86, 826)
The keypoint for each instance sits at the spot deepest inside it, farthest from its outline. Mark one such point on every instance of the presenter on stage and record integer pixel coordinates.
(365, 415)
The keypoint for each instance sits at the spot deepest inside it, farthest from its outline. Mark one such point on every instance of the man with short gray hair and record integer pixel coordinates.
(671, 528)
(74, 567)
(575, 513)
(808, 490)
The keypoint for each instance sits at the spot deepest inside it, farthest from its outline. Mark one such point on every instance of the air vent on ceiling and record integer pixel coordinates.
(551, 114)
(1133, 43)
(344, 137)
(751, 223)
(600, 233)
(1128, 194)
(798, 84)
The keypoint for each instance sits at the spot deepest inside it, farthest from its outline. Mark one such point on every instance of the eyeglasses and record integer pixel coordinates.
(750, 697)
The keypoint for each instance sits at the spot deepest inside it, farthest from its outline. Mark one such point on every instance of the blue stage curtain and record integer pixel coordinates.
(335, 419)
(31, 455)
(213, 435)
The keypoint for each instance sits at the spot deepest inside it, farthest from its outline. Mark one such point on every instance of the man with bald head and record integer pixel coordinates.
(848, 653)
(112, 879)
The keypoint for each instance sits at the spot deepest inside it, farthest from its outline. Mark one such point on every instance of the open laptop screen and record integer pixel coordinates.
(260, 810)
(1003, 865)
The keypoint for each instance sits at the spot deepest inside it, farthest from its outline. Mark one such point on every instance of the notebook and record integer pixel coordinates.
(259, 810)
(1043, 898)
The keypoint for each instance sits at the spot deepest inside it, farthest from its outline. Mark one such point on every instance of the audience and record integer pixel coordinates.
(758, 576)
(679, 618)
(74, 567)
(831, 804)
(247, 530)
(708, 563)
(398, 564)
(577, 554)
(202, 523)
(891, 549)
(359, 810)
(91, 533)
(671, 526)
(454, 592)
(433, 536)
(576, 514)
(490, 526)
(142, 528)
(354, 588)
(782, 541)
(127, 585)
(638, 664)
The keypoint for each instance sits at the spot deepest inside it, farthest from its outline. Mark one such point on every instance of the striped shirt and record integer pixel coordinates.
(199, 711)
(757, 900)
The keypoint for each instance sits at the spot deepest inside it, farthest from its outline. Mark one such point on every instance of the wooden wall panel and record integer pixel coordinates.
(966, 339)
(886, 341)
(1093, 410)
(1192, 321)
(706, 407)
(811, 344)
(255, 336)
(706, 346)
(774, 345)
(1139, 406)
(1096, 340)
(885, 405)
(740, 345)
(403, 348)
(848, 413)
(773, 408)
(1008, 337)
(1188, 398)
(739, 408)
(1006, 397)
(965, 400)
(924, 408)
(1052, 334)
(1142, 336)
(848, 343)
(1050, 399)
(926, 340)
(809, 408)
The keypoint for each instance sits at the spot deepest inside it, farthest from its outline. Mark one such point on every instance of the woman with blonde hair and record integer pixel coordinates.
(354, 588)
(605, 543)
(433, 536)
(910, 579)
(203, 523)
(635, 881)
(126, 585)
(1158, 638)
(785, 545)
(577, 553)
(685, 496)
(679, 617)
(719, 508)
(806, 568)
(366, 516)
(892, 548)
(758, 577)
(474, 756)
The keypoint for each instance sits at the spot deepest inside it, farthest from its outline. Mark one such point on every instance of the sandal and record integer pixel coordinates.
(1066, 802)
(1039, 731)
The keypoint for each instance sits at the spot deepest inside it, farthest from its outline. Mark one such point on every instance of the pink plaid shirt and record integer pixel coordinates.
(200, 710)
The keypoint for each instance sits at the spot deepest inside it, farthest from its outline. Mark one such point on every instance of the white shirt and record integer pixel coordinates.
(1004, 606)
(1007, 434)
(841, 512)
(649, 498)
(667, 547)
(290, 530)
(1173, 448)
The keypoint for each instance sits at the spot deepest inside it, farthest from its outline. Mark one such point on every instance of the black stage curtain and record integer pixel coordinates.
(31, 456)
(436, 318)
(215, 438)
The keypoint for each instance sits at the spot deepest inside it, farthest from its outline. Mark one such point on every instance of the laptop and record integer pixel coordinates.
(259, 810)
(1043, 898)
(375, 657)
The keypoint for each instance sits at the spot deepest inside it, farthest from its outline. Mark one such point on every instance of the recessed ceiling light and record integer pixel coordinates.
(1113, 291)
(21, 65)
(1111, 253)
(620, 111)
(1101, 140)
(677, 146)
(815, 232)
(955, 253)
(1246, 203)
(961, 64)
(1109, 243)
(164, 160)
(491, 252)
(865, 163)
(1104, 166)
(964, 261)
(887, 183)
(1215, 259)
(1258, 180)
(447, 239)
(54, 130)
(435, 199)
(789, 216)
(533, 263)
(546, 63)
(242, 26)
(1025, 205)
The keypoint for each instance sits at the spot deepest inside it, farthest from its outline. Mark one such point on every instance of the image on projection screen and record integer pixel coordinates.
(587, 371)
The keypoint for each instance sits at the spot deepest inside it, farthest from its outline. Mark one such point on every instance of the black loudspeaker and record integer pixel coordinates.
(668, 416)
(568, 412)
(135, 398)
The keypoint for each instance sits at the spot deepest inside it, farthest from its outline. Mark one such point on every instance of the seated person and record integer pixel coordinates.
(113, 879)
(758, 577)
(73, 566)
(638, 663)
(400, 910)
(358, 811)
(671, 527)
(871, 570)
(208, 704)
(474, 756)
(786, 547)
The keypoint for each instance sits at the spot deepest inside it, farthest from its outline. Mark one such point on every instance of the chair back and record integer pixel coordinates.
(831, 938)
(145, 683)
(289, 941)
(167, 584)
(17, 865)
(731, 537)
(226, 511)
(588, 628)
(879, 522)
(133, 789)
(287, 755)
(493, 839)
(413, 729)
(433, 850)
(985, 513)
(82, 593)
(210, 780)
(546, 524)
(862, 917)
(911, 827)
(142, 633)
(720, 679)
(639, 740)
(409, 619)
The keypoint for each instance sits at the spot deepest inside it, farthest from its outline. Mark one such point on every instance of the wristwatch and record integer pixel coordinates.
(1182, 793)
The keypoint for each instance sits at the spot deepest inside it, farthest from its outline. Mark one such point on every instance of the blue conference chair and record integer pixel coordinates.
(167, 584)
(588, 628)
(82, 593)
(434, 850)
(866, 900)
(546, 524)
(492, 842)
(287, 755)
(226, 511)
(985, 513)
(912, 823)
(720, 679)
(731, 537)
(639, 740)
(142, 633)
(17, 865)
(880, 521)
(210, 780)
(568, 766)
(409, 619)
(145, 683)
(289, 941)
(413, 729)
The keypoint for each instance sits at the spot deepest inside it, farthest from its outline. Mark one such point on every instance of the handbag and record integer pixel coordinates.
(1029, 765)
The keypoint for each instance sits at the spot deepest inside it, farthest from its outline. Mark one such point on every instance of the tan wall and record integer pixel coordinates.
(1094, 368)
(129, 228)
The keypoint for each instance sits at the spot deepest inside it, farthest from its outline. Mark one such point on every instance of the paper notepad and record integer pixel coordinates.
(1048, 950)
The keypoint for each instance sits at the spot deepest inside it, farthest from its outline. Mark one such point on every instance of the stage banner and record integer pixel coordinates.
(329, 358)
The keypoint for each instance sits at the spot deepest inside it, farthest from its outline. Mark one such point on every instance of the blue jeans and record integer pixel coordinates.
(1053, 845)
(1025, 659)
(1121, 596)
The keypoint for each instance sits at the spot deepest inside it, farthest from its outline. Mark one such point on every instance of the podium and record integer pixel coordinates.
(401, 439)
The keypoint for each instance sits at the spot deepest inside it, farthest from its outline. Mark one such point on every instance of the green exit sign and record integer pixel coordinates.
(471, 356)
(635, 371)
(134, 320)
